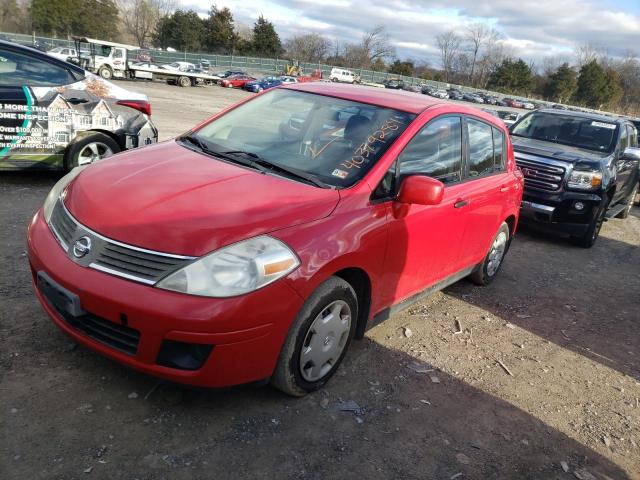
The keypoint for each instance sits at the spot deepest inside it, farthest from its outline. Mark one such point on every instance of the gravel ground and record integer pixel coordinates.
(536, 376)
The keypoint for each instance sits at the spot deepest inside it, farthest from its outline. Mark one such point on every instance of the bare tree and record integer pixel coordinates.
(449, 44)
(586, 53)
(479, 37)
(140, 17)
(310, 47)
(376, 44)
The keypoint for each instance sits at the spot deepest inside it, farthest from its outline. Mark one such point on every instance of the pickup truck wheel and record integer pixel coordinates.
(88, 149)
(318, 339)
(184, 81)
(589, 238)
(630, 201)
(488, 269)
(105, 72)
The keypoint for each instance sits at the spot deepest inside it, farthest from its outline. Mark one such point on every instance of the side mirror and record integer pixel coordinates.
(420, 190)
(631, 154)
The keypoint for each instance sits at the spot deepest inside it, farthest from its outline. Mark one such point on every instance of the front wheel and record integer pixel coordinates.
(184, 81)
(485, 273)
(588, 239)
(318, 339)
(105, 72)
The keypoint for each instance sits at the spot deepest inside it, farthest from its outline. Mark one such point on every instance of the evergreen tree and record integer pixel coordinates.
(183, 30)
(593, 86)
(562, 84)
(512, 77)
(402, 68)
(266, 41)
(92, 18)
(220, 31)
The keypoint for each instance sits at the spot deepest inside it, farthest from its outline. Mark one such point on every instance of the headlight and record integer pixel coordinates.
(57, 189)
(234, 270)
(584, 179)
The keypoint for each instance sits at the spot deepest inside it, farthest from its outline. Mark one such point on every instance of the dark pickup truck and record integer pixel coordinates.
(579, 169)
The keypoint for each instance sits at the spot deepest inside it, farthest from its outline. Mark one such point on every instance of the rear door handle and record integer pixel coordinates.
(460, 204)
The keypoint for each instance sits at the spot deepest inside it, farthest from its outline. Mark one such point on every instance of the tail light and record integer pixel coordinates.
(141, 105)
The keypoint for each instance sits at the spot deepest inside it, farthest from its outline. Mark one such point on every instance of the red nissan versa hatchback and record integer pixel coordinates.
(257, 245)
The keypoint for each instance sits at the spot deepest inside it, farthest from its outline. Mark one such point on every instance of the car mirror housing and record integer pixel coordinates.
(631, 153)
(420, 190)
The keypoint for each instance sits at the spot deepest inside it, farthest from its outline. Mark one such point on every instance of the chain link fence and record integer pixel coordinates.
(256, 65)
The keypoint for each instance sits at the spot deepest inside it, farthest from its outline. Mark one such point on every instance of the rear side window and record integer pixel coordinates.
(18, 69)
(436, 151)
(481, 157)
(624, 139)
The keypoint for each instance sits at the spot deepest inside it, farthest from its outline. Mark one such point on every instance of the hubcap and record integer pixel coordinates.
(92, 152)
(325, 341)
(496, 253)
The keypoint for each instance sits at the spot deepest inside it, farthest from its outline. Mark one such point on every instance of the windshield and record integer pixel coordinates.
(333, 140)
(570, 130)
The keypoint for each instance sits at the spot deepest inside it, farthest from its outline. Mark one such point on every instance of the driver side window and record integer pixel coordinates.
(435, 151)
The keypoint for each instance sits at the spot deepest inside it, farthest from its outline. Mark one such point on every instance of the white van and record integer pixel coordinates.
(342, 75)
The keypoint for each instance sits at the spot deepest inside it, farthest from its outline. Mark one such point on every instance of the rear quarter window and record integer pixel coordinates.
(481, 154)
(17, 69)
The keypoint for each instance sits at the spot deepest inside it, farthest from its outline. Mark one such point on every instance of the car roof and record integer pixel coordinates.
(587, 115)
(396, 99)
(42, 56)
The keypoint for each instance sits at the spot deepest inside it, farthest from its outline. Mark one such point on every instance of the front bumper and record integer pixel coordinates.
(558, 212)
(246, 332)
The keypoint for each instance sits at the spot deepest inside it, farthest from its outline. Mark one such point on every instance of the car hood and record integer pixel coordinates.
(555, 151)
(168, 198)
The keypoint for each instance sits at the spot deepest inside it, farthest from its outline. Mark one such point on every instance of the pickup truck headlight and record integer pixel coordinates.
(584, 179)
(57, 189)
(234, 270)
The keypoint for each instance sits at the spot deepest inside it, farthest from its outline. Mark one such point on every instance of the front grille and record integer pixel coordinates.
(114, 335)
(142, 265)
(110, 256)
(63, 226)
(540, 175)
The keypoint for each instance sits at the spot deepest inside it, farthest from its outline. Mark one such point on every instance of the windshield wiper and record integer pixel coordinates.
(192, 139)
(264, 163)
(204, 148)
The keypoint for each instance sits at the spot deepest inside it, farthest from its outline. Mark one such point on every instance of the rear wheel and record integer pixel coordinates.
(488, 269)
(88, 149)
(318, 339)
(632, 198)
(184, 81)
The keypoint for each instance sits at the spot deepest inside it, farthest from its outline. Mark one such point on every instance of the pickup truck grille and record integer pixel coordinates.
(541, 176)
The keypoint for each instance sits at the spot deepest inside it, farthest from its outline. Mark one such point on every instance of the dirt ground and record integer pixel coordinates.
(431, 399)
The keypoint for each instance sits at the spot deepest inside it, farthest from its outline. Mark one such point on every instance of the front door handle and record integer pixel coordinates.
(504, 189)
(460, 204)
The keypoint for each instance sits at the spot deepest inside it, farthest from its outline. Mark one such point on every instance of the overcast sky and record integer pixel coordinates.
(532, 28)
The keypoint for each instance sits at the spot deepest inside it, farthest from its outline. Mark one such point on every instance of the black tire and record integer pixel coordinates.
(72, 154)
(288, 376)
(105, 72)
(588, 239)
(184, 81)
(629, 203)
(486, 272)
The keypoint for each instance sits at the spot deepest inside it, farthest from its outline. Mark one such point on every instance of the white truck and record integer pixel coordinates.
(117, 60)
